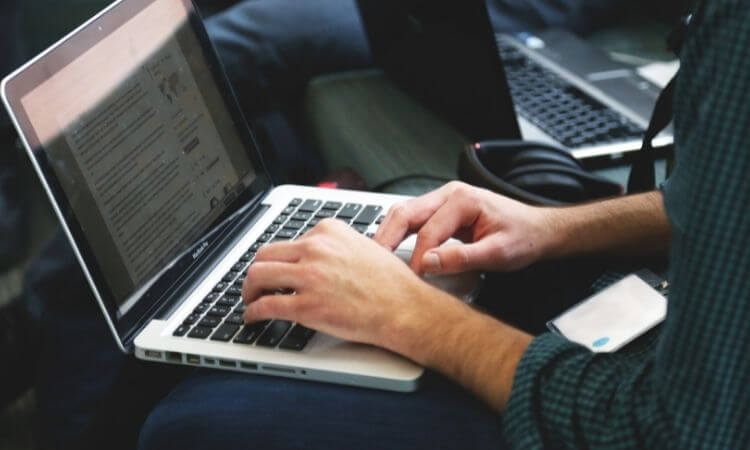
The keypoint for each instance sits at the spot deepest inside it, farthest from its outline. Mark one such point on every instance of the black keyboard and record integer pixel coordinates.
(566, 113)
(219, 316)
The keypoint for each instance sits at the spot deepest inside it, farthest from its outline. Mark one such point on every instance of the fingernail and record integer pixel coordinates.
(431, 262)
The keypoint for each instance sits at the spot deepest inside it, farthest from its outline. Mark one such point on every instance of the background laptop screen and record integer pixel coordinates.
(142, 144)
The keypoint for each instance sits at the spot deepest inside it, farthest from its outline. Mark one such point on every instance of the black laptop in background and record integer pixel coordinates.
(550, 87)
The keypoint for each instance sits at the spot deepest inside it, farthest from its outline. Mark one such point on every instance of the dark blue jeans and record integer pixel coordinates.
(271, 49)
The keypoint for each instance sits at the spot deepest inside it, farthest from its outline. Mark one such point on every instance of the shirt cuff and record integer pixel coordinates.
(524, 418)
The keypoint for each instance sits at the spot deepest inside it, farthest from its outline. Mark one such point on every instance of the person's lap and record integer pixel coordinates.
(216, 409)
(89, 393)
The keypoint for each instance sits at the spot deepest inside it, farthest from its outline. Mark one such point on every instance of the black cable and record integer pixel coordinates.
(385, 184)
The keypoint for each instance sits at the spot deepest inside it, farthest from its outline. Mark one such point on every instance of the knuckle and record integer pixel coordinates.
(456, 186)
(327, 224)
(262, 307)
(252, 272)
(306, 246)
(398, 210)
(425, 234)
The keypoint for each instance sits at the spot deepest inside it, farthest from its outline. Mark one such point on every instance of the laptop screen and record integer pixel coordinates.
(139, 138)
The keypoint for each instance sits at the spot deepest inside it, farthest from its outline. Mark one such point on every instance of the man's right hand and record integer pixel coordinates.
(497, 233)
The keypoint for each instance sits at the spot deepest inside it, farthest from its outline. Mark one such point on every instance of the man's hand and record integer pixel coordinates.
(344, 284)
(499, 233)
(503, 234)
(349, 286)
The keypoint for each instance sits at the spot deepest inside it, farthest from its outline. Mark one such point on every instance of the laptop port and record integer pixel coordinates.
(225, 363)
(153, 354)
(209, 361)
(249, 366)
(193, 359)
(279, 369)
(174, 357)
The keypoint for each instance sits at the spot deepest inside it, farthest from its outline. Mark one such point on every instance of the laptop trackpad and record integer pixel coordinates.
(463, 285)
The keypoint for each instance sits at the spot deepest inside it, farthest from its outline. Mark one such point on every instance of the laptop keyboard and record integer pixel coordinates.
(219, 316)
(561, 110)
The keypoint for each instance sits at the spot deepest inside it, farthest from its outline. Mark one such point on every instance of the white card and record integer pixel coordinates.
(608, 320)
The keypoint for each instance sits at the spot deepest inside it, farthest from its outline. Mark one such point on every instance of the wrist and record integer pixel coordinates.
(417, 331)
(555, 231)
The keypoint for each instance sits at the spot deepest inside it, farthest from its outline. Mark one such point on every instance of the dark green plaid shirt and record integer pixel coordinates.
(686, 384)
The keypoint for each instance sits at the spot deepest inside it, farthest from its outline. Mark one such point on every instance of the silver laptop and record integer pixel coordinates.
(139, 143)
(569, 93)
(550, 87)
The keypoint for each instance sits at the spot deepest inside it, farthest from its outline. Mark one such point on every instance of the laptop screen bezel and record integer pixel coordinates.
(44, 66)
(467, 86)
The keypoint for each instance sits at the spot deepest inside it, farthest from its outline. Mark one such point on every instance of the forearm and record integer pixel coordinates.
(470, 347)
(635, 226)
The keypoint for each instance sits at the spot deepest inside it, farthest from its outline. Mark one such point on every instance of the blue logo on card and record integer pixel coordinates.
(601, 342)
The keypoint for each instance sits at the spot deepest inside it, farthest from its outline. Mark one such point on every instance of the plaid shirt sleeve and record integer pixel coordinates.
(683, 385)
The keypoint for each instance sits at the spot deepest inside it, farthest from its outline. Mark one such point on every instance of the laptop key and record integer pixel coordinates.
(286, 234)
(288, 210)
(218, 311)
(293, 343)
(332, 205)
(200, 309)
(297, 339)
(209, 322)
(249, 333)
(232, 275)
(272, 229)
(273, 334)
(220, 286)
(210, 298)
(181, 330)
(295, 202)
(361, 228)
(280, 219)
(368, 215)
(200, 332)
(310, 205)
(302, 332)
(225, 332)
(265, 237)
(191, 319)
(247, 257)
(303, 216)
(235, 291)
(349, 210)
(235, 319)
(239, 309)
(325, 214)
(229, 300)
(294, 224)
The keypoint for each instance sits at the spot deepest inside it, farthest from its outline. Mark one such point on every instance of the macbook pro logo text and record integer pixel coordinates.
(200, 250)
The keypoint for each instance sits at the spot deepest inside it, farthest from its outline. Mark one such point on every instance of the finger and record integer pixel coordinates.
(459, 258)
(283, 251)
(409, 215)
(454, 215)
(284, 307)
(269, 276)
